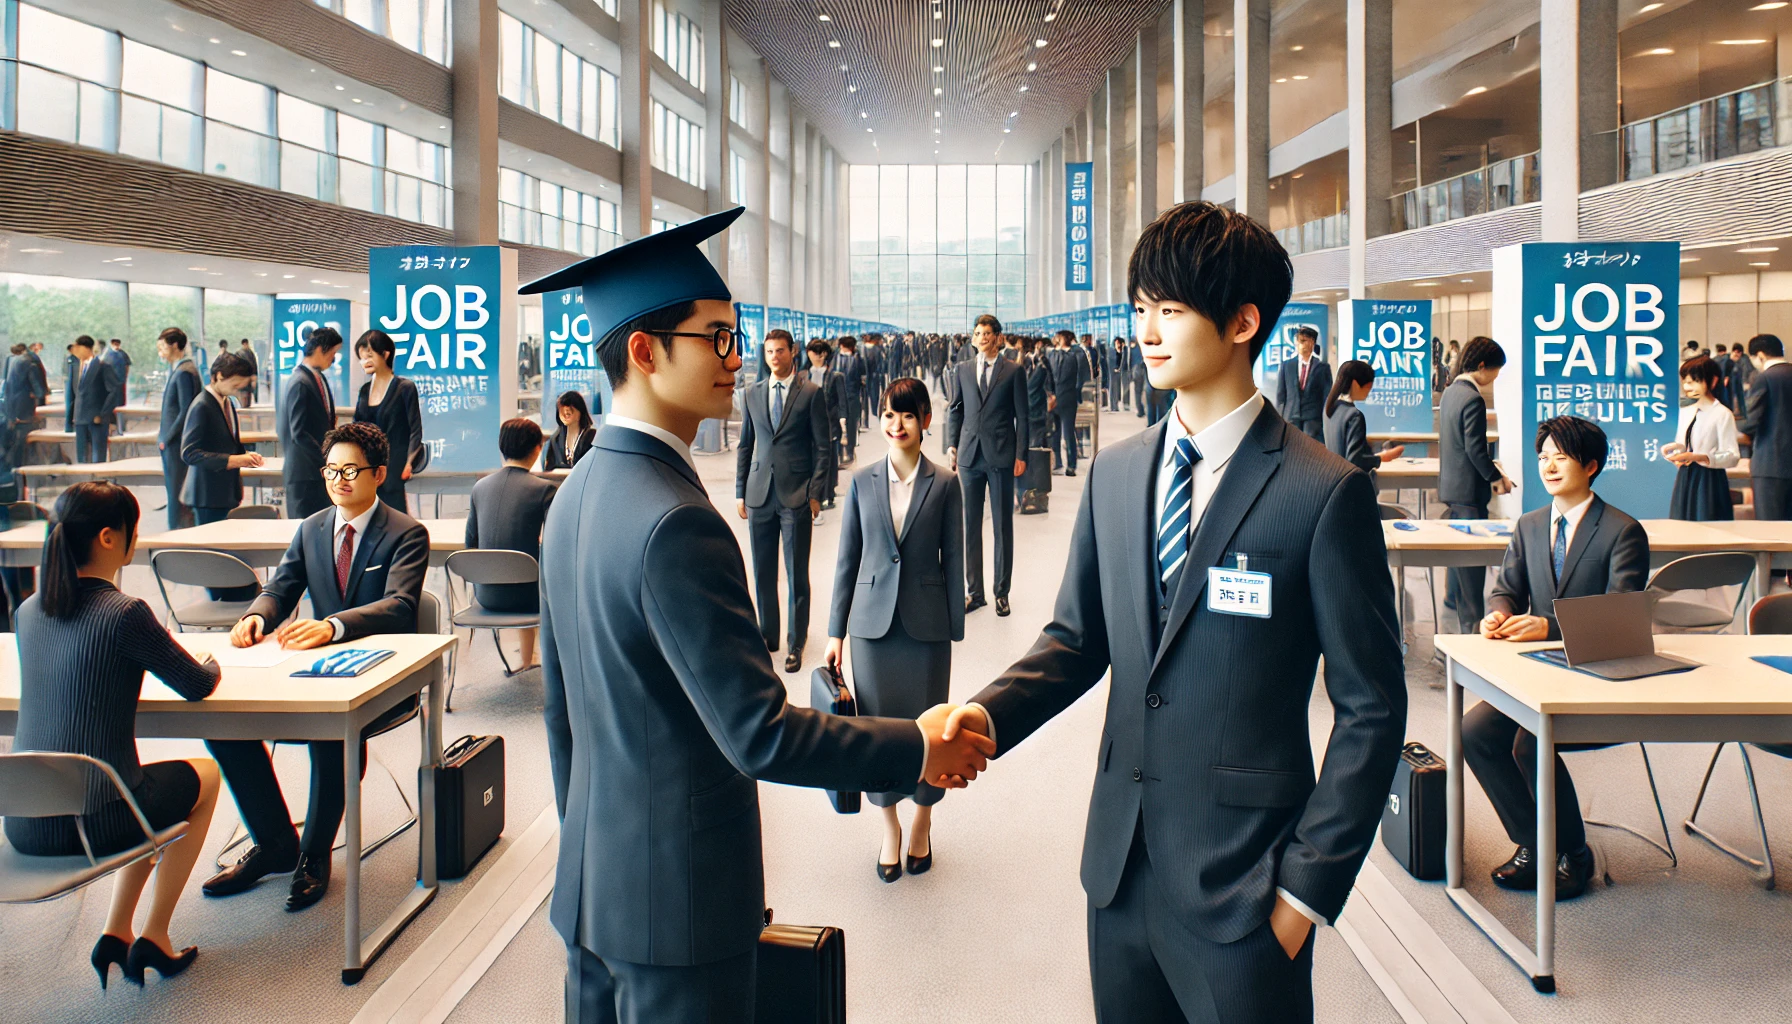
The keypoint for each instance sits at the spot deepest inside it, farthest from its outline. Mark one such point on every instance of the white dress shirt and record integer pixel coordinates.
(354, 548)
(1713, 433)
(672, 440)
(778, 398)
(1573, 515)
(902, 493)
(1216, 443)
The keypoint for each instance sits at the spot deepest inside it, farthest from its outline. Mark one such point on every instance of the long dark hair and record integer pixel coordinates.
(575, 401)
(81, 513)
(1354, 371)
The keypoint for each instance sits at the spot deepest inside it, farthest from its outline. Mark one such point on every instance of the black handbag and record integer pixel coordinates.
(1036, 484)
(828, 693)
(801, 975)
(469, 802)
(1412, 823)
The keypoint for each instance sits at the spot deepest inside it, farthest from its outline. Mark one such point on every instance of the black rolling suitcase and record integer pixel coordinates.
(1036, 483)
(469, 802)
(1412, 823)
(802, 975)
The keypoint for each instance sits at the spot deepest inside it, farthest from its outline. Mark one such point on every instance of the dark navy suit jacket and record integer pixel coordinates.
(385, 580)
(1609, 554)
(207, 445)
(989, 429)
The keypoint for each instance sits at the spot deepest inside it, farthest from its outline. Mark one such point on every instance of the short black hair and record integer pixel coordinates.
(779, 334)
(1576, 437)
(1306, 331)
(1481, 352)
(1703, 369)
(1064, 336)
(231, 364)
(1766, 345)
(906, 394)
(518, 437)
(820, 347)
(380, 342)
(174, 336)
(848, 342)
(1215, 262)
(986, 320)
(365, 436)
(322, 339)
(84, 341)
(612, 348)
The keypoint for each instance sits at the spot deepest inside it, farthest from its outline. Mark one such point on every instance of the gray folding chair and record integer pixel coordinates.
(492, 566)
(1704, 571)
(41, 784)
(1769, 616)
(253, 512)
(211, 569)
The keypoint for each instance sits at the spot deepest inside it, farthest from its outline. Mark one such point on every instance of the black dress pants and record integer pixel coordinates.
(90, 442)
(997, 482)
(1465, 588)
(766, 526)
(610, 991)
(1773, 497)
(174, 478)
(1064, 437)
(305, 497)
(1504, 759)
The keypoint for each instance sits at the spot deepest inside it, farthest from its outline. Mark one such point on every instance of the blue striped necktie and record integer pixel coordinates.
(1172, 525)
(1560, 554)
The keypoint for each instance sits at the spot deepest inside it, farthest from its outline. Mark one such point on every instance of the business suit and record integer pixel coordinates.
(662, 709)
(852, 378)
(877, 366)
(1304, 404)
(121, 362)
(833, 392)
(1347, 437)
(989, 428)
(1070, 371)
(94, 397)
(1204, 802)
(506, 510)
(553, 454)
(177, 398)
(1140, 381)
(400, 417)
(385, 588)
(1768, 424)
(780, 467)
(307, 413)
(1609, 554)
(1465, 478)
(43, 377)
(1119, 361)
(20, 401)
(248, 352)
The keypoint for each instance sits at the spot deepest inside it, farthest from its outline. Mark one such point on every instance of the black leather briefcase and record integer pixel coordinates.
(1412, 823)
(827, 693)
(1036, 483)
(802, 975)
(469, 802)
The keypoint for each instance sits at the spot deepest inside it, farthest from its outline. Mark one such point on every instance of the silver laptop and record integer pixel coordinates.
(1609, 635)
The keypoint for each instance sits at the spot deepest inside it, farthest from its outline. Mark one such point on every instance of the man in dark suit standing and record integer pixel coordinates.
(1302, 384)
(307, 413)
(852, 378)
(876, 359)
(1215, 559)
(361, 562)
(1467, 476)
(91, 397)
(248, 352)
(780, 480)
(1768, 424)
(987, 438)
(1070, 371)
(121, 362)
(833, 390)
(1576, 546)
(212, 445)
(183, 386)
(662, 707)
(43, 375)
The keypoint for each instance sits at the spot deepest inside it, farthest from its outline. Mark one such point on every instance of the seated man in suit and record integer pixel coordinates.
(1576, 546)
(362, 562)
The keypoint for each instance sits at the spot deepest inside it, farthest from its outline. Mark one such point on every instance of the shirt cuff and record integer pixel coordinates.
(1305, 911)
(336, 624)
(923, 776)
(989, 718)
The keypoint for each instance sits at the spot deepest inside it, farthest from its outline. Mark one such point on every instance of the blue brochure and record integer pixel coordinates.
(1780, 661)
(342, 664)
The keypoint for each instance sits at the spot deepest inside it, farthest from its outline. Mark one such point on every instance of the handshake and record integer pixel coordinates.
(958, 744)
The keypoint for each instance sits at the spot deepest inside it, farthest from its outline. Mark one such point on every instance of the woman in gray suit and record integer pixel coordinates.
(899, 593)
(1346, 431)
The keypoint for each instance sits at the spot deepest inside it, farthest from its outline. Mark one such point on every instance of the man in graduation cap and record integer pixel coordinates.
(662, 706)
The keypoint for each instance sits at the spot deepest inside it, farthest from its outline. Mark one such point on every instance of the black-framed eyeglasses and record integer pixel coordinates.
(349, 473)
(722, 340)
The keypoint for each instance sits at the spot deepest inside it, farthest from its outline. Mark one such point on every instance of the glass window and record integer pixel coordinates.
(679, 42)
(547, 75)
(361, 13)
(510, 59)
(302, 122)
(354, 138)
(63, 44)
(569, 89)
(238, 101)
(737, 101)
(236, 315)
(50, 308)
(589, 121)
(609, 106)
(737, 179)
(159, 75)
(677, 146)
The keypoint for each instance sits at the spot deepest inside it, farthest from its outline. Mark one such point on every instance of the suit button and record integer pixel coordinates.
(1137, 775)
(895, 558)
(1153, 700)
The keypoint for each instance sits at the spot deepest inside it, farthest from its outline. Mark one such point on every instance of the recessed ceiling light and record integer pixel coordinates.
(1659, 51)
(1007, 130)
(1300, 174)
(937, 69)
(1051, 16)
(1297, 49)
(852, 88)
(936, 14)
(356, 99)
(1646, 8)
(1300, 78)
(288, 277)
(1466, 280)
(1689, 259)
(824, 17)
(1425, 284)
(937, 90)
(1740, 42)
(339, 88)
(1032, 67)
(1281, 81)
(239, 53)
(1014, 113)
(201, 269)
(833, 44)
(47, 252)
(936, 113)
(868, 131)
(1023, 88)
(1039, 44)
(863, 114)
(1759, 248)
(1768, 7)
(214, 42)
(316, 280)
(1760, 264)
(937, 43)
(261, 273)
(1476, 91)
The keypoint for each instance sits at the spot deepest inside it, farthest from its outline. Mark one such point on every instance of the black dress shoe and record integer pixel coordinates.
(971, 604)
(1002, 606)
(1519, 873)
(919, 865)
(1574, 872)
(108, 951)
(1070, 472)
(309, 882)
(249, 869)
(793, 660)
(889, 872)
(145, 954)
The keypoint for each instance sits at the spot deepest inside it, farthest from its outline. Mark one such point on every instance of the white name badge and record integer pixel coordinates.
(1238, 592)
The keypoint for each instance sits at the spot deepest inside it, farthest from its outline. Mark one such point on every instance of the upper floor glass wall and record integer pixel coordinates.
(679, 42)
(536, 212)
(540, 74)
(420, 26)
(677, 146)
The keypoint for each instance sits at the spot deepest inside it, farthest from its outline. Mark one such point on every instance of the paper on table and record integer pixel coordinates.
(266, 654)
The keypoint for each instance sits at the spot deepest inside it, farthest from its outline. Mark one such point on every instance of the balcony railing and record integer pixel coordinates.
(532, 227)
(1510, 182)
(1323, 233)
(1737, 122)
(61, 107)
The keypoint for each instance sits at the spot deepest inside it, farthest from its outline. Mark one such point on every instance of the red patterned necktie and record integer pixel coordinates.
(343, 557)
(1303, 373)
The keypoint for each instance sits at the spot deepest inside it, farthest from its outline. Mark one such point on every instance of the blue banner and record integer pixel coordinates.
(452, 315)
(750, 319)
(294, 320)
(1394, 338)
(1280, 344)
(1079, 215)
(1591, 329)
(571, 357)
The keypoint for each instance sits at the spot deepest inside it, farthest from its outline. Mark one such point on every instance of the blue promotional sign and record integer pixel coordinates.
(451, 312)
(571, 363)
(1079, 213)
(1280, 345)
(294, 320)
(1394, 338)
(1591, 329)
(1120, 321)
(750, 319)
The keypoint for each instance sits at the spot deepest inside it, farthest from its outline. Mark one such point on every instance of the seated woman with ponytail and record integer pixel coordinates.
(83, 650)
(1346, 431)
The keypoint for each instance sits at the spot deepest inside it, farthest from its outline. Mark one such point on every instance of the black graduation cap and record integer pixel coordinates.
(645, 275)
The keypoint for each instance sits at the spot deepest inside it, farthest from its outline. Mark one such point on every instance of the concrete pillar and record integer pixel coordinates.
(793, 165)
(635, 214)
(1119, 245)
(1144, 136)
(474, 135)
(1783, 91)
(765, 179)
(1368, 86)
(812, 224)
(1579, 108)
(1250, 107)
(1188, 96)
(1101, 154)
(716, 148)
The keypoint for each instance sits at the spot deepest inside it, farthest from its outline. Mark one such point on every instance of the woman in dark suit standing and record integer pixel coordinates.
(570, 443)
(899, 593)
(390, 402)
(83, 650)
(1346, 431)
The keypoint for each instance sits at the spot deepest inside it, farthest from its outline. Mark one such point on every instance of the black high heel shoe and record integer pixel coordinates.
(145, 954)
(919, 865)
(108, 951)
(889, 872)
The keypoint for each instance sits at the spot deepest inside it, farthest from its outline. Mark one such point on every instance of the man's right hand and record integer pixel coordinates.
(247, 631)
(952, 457)
(1491, 623)
(245, 461)
(740, 506)
(952, 763)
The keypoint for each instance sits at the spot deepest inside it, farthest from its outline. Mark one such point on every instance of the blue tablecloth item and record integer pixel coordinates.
(343, 664)
(1782, 662)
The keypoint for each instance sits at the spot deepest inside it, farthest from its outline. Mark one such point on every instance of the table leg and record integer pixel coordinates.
(1763, 582)
(426, 799)
(351, 824)
(1543, 979)
(1452, 778)
(1398, 563)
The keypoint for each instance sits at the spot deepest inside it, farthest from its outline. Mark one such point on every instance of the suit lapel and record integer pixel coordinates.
(1583, 536)
(792, 390)
(1250, 468)
(636, 442)
(880, 496)
(1141, 480)
(923, 483)
(375, 535)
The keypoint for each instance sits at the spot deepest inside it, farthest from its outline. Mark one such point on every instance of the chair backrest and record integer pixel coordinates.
(253, 512)
(202, 569)
(429, 614)
(27, 512)
(1771, 615)
(40, 784)
(1705, 571)
(1394, 512)
(492, 565)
